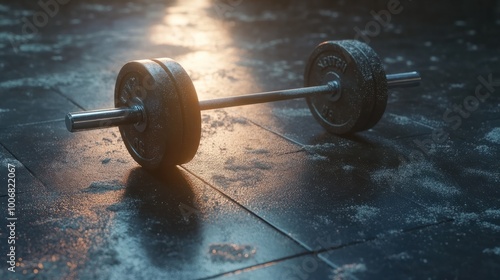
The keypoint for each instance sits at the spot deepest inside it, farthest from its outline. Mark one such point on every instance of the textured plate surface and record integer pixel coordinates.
(159, 139)
(189, 106)
(341, 60)
(380, 81)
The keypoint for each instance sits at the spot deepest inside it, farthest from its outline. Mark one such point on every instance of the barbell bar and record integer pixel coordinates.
(97, 119)
(158, 112)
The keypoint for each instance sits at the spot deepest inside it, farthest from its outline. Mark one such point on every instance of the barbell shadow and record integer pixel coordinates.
(165, 218)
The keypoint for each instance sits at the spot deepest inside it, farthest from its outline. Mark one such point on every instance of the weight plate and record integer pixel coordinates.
(380, 80)
(342, 61)
(370, 93)
(158, 140)
(189, 105)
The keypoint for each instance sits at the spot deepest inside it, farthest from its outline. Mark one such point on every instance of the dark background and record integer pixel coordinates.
(270, 194)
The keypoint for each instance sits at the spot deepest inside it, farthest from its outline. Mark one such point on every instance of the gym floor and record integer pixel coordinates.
(270, 194)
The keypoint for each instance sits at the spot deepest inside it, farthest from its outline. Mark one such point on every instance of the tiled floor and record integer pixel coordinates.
(270, 194)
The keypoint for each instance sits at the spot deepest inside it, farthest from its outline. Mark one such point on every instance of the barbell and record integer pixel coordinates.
(158, 112)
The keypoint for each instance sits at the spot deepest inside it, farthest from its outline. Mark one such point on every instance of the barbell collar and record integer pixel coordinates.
(104, 118)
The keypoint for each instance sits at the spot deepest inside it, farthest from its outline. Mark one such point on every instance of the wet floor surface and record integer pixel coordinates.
(270, 194)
